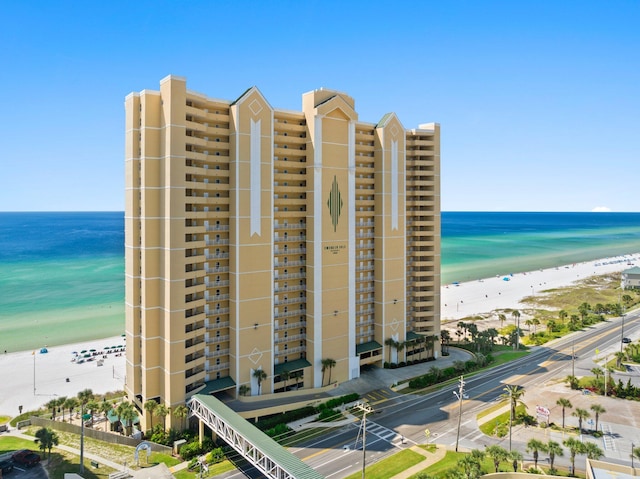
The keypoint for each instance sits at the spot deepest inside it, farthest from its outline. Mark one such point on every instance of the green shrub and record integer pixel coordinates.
(328, 414)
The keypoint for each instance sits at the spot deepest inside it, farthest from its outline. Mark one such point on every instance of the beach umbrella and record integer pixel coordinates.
(83, 351)
(92, 350)
(74, 352)
(87, 355)
(107, 347)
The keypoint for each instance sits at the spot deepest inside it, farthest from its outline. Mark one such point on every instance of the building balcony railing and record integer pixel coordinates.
(218, 367)
(220, 282)
(365, 290)
(297, 324)
(217, 242)
(217, 311)
(282, 276)
(365, 311)
(220, 325)
(294, 337)
(284, 239)
(218, 256)
(365, 300)
(219, 269)
(218, 228)
(278, 264)
(290, 226)
(218, 297)
(367, 245)
(295, 287)
(218, 353)
(364, 268)
(218, 339)
(294, 300)
(365, 235)
(289, 314)
(289, 251)
(287, 351)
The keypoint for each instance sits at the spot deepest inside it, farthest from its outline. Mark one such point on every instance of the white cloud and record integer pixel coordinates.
(601, 209)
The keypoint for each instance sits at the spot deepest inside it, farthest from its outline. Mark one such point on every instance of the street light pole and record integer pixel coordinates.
(460, 395)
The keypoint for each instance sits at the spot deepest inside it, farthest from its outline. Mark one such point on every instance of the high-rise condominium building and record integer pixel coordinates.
(269, 250)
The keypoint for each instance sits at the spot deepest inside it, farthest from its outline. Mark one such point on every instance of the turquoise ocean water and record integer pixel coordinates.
(62, 274)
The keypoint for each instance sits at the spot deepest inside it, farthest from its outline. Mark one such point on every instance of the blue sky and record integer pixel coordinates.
(539, 102)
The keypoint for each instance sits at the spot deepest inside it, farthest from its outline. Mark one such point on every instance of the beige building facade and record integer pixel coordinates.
(270, 250)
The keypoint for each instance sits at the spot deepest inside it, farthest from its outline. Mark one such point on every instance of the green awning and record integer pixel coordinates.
(411, 336)
(291, 366)
(366, 347)
(113, 418)
(217, 385)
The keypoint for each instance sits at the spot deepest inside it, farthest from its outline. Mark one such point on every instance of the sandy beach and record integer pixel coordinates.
(51, 372)
(486, 295)
(458, 301)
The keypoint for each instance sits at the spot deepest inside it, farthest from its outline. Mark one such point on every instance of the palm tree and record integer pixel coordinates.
(328, 364)
(534, 445)
(61, 405)
(564, 403)
(529, 323)
(105, 408)
(243, 390)
(53, 405)
(584, 309)
(70, 404)
(502, 318)
(635, 452)
(597, 372)
(181, 412)
(260, 376)
(92, 406)
(535, 322)
(581, 414)
(515, 456)
(150, 407)
(497, 455)
(387, 342)
(163, 411)
(619, 357)
(470, 467)
(516, 316)
(513, 393)
(284, 376)
(598, 409)
(592, 451)
(575, 447)
(126, 414)
(562, 315)
(554, 449)
(445, 338)
(47, 438)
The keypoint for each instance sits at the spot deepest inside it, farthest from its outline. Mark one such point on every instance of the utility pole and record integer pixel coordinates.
(622, 332)
(366, 409)
(460, 395)
(573, 359)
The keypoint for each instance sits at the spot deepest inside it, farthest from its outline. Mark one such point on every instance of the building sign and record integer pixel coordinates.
(335, 248)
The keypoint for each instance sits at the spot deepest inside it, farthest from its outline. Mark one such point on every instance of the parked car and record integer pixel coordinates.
(626, 340)
(6, 466)
(25, 457)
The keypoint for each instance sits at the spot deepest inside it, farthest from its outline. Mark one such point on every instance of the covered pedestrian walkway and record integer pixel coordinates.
(256, 447)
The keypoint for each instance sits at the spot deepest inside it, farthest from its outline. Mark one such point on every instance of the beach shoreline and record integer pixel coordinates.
(32, 378)
(483, 296)
(480, 297)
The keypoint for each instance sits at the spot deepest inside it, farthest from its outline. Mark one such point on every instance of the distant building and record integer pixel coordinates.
(631, 278)
(269, 250)
(607, 470)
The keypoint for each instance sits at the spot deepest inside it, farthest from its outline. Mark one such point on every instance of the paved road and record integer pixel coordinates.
(409, 416)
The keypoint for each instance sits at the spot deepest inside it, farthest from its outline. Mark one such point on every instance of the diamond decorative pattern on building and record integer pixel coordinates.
(255, 356)
(255, 107)
(335, 203)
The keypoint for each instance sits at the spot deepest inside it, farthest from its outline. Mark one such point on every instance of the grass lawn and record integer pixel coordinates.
(489, 427)
(391, 466)
(447, 463)
(214, 470)
(505, 357)
(492, 409)
(4, 419)
(61, 462)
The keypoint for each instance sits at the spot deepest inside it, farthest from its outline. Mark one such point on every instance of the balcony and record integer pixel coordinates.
(289, 314)
(218, 353)
(218, 339)
(296, 325)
